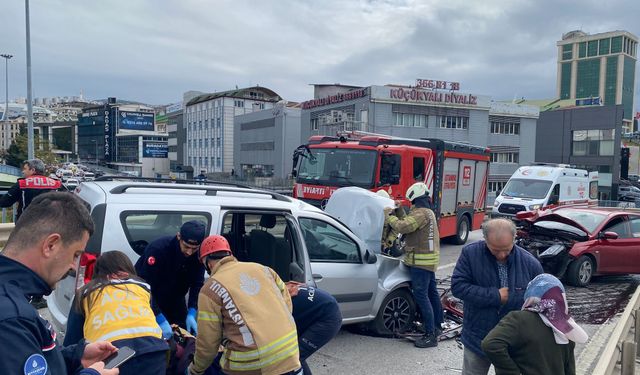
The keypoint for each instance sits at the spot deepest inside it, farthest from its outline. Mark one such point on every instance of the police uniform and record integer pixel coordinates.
(318, 320)
(120, 313)
(171, 275)
(28, 342)
(26, 189)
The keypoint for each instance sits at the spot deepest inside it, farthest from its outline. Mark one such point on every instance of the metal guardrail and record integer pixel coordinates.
(621, 347)
(5, 231)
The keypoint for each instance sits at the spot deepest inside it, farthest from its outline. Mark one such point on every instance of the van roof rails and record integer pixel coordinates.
(210, 190)
(177, 181)
(537, 163)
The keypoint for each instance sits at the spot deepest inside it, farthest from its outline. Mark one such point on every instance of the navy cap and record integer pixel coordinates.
(193, 232)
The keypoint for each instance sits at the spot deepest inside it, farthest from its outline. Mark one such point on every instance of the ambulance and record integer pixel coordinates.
(545, 186)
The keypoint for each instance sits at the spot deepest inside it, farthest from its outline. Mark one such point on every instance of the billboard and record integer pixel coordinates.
(136, 120)
(155, 149)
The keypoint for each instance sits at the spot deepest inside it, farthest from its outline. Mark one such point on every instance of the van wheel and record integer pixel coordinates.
(581, 271)
(396, 313)
(463, 231)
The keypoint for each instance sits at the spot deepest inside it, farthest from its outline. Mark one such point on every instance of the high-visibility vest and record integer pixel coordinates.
(120, 310)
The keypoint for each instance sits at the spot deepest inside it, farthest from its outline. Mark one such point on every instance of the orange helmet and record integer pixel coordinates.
(214, 244)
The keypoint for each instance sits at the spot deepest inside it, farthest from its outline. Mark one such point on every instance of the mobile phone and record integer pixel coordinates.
(118, 358)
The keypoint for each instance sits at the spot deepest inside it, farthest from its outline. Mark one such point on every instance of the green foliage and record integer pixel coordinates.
(18, 151)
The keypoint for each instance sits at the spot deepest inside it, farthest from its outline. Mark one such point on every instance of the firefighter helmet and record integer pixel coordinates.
(214, 244)
(417, 190)
(383, 193)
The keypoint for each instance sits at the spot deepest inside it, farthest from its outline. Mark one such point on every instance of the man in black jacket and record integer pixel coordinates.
(26, 189)
(44, 246)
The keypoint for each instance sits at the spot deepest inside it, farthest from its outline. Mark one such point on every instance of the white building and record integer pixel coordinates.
(209, 122)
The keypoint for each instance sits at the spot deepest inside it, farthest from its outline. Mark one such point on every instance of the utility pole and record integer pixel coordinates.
(7, 131)
(30, 150)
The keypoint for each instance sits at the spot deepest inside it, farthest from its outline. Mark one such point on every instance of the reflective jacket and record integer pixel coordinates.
(422, 240)
(390, 235)
(120, 312)
(246, 308)
(27, 189)
(29, 342)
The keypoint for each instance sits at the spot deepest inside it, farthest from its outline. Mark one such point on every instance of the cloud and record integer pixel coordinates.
(153, 51)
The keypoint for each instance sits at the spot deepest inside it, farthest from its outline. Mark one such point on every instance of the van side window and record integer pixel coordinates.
(389, 169)
(326, 243)
(144, 227)
(554, 198)
(418, 169)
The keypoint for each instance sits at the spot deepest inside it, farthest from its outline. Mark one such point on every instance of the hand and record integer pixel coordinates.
(96, 352)
(504, 295)
(398, 203)
(388, 211)
(292, 287)
(191, 323)
(99, 366)
(167, 332)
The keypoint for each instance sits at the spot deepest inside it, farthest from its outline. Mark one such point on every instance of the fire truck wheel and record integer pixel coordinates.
(463, 231)
(396, 313)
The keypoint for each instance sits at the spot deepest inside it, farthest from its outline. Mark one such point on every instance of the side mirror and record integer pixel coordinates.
(609, 235)
(370, 258)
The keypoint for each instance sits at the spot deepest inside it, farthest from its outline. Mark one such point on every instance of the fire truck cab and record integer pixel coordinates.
(455, 173)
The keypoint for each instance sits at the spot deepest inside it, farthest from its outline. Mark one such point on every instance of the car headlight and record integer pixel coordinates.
(534, 207)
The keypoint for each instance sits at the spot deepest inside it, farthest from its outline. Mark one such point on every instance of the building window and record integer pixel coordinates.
(314, 124)
(505, 157)
(582, 49)
(593, 142)
(495, 186)
(510, 128)
(604, 46)
(238, 103)
(592, 48)
(616, 44)
(410, 120)
(453, 122)
(588, 78)
(567, 52)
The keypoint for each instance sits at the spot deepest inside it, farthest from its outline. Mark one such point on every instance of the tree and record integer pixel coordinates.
(18, 151)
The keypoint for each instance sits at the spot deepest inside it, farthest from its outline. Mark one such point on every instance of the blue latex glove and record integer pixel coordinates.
(192, 325)
(167, 332)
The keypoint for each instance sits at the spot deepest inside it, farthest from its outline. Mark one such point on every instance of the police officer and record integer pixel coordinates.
(171, 267)
(422, 255)
(44, 246)
(33, 184)
(245, 307)
(317, 316)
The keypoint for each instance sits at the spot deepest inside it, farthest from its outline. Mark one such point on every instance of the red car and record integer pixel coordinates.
(578, 243)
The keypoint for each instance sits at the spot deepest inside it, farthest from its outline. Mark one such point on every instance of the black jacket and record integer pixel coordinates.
(171, 275)
(26, 189)
(29, 341)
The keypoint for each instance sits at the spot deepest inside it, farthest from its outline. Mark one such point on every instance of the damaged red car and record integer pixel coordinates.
(578, 243)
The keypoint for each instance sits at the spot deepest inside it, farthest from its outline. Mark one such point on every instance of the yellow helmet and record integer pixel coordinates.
(417, 190)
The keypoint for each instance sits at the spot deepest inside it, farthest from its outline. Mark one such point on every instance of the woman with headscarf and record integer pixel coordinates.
(540, 338)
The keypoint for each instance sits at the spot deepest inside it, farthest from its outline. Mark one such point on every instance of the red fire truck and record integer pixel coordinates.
(456, 174)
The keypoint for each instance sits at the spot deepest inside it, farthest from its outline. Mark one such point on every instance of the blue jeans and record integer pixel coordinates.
(425, 293)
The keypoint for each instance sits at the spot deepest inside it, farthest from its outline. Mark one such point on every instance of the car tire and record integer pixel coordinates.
(462, 231)
(580, 271)
(396, 313)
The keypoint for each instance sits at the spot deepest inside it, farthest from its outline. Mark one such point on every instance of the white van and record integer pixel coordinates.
(543, 186)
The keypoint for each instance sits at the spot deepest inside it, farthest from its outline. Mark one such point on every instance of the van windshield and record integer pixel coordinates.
(526, 188)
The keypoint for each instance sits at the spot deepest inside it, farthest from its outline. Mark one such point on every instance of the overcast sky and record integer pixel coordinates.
(154, 50)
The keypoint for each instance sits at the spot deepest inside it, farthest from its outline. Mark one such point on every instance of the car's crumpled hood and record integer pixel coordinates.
(548, 215)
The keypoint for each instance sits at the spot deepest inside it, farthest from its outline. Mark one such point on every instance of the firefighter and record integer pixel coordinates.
(246, 308)
(170, 265)
(422, 254)
(390, 241)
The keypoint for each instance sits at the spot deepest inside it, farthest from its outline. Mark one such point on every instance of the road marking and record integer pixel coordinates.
(450, 265)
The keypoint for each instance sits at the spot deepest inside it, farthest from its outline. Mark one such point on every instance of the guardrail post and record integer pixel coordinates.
(637, 331)
(628, 362)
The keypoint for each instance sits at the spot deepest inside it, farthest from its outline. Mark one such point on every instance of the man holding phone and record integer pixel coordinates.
(44, 246)
(490, 277)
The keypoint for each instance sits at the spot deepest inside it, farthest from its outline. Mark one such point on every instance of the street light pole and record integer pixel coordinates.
(7, 132)
(30, 153)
